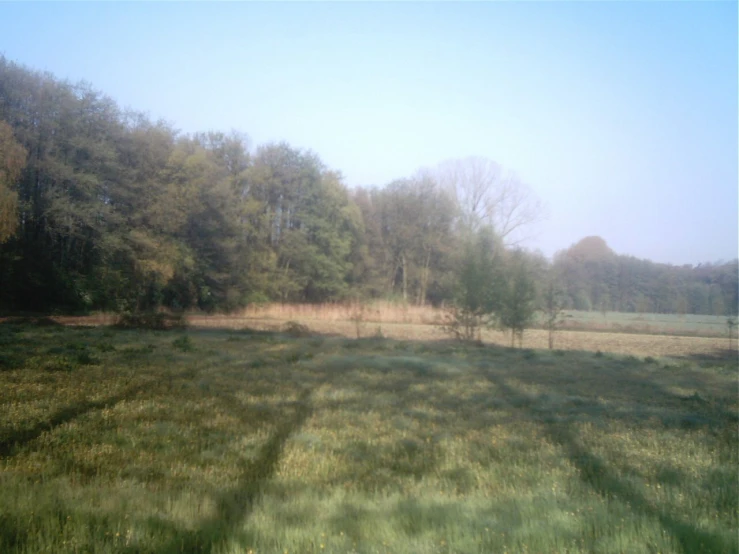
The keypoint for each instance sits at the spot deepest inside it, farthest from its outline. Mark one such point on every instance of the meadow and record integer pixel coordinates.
(228, 441)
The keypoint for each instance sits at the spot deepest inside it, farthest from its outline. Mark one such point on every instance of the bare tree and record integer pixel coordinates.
(488, 195)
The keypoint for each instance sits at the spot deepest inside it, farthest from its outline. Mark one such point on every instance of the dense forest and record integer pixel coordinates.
(105, 209)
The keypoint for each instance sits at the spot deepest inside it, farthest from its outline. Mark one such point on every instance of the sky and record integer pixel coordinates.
(621, 116)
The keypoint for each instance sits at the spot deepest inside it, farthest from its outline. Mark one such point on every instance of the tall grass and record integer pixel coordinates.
(382, 312)
(374, 312)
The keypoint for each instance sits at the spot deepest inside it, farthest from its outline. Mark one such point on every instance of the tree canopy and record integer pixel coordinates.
(103, 208)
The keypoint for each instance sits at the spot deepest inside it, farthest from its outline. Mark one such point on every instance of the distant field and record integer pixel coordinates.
(383, 312)
(637, 344)
(671, 324)
(225, 442)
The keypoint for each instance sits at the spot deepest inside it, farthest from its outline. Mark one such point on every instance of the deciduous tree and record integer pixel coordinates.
(12, 162)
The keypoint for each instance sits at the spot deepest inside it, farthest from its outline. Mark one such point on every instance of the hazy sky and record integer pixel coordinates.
(621, 116)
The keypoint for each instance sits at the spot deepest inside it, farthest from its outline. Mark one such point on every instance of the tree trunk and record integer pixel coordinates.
(405, 278)
(425, 271)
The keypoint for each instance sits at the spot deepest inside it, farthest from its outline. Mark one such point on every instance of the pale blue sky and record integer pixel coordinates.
(621, 116)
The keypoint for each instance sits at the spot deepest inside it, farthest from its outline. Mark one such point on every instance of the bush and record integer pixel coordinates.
(184, 344)
(153, 321)
(295, 329)
(85, 358)
(478, 282)
(463, 324)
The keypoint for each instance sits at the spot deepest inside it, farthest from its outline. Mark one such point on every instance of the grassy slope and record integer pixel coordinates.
(225, 442)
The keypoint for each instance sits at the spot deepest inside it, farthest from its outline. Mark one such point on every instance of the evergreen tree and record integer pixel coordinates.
(478, 286)
(518, 301)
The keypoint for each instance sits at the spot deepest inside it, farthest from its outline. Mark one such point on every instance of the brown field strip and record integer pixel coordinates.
(617, 343)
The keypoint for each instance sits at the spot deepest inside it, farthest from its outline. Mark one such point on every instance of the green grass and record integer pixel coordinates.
(132, 441)
(620, 322)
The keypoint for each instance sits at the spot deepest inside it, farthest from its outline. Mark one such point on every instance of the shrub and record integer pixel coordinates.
(153, 321)
(295, 329)
(478, 281)
(85, 358)
(184, 343)
(58, 363)
(105, 347)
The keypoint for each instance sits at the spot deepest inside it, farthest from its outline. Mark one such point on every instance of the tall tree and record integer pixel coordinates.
(310, 222)
(487, 195)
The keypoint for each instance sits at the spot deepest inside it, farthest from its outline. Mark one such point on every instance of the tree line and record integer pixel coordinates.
(103, 208)
(593, 277)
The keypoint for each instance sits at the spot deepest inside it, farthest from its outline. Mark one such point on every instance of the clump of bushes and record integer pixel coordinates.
(153, 321)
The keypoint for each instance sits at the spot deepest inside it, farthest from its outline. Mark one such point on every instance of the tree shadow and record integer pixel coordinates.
(596, 473)
(234, 505)
(718, 358)
(642, 389)
(11, 442)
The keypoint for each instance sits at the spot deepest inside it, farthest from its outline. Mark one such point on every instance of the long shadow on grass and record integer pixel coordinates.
(725, 358)
(594, 471)
(632, 385)
(235, 505)
(11, 442)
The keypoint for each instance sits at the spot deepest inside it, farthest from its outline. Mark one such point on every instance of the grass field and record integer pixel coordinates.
(235, 441)
(671, 324)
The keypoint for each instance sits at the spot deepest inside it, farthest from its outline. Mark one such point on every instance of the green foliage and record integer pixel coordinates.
(12, 161)
(518, 301)
(123, 214)
(184, 343)
(592, 276)
(295, 329)
(479, 283)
